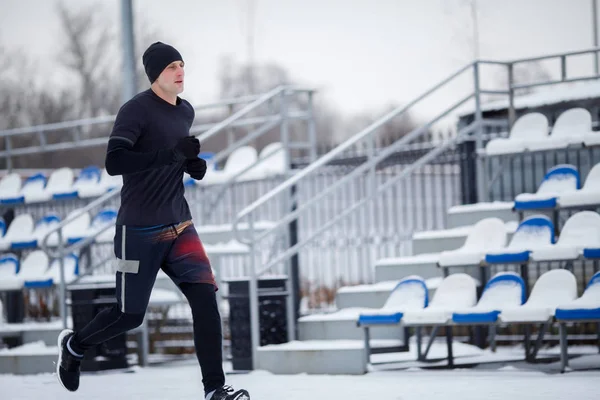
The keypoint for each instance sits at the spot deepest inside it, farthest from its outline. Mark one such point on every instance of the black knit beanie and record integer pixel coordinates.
(157, 57)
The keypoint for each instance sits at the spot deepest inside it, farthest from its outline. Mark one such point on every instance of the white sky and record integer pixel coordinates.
(361, 54)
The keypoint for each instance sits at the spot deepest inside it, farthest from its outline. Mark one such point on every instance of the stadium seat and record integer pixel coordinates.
(582, 230)
(552, 289)
(456, 292)
(534, 232)
(9, 270)
(88, 183)
(102, 219)
(487, 234)
(571, 127)
(60, 184)
(586, 307)
(588, 195)
(51, 276)
(558, 180)
(34, 267)
(409, 294)
(20, 230)
(239, 160)
(271, 162)
(10, 189)
(504, 290)
(528, 128)
(33, 189)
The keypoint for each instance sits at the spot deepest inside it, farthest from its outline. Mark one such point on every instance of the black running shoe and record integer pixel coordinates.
(68, 365)
(228, 393)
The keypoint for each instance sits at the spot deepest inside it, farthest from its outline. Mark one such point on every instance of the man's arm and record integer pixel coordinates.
(120, 157)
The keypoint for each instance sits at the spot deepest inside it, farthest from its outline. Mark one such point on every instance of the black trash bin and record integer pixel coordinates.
(272, 318)
(87, 300)
(14, 304)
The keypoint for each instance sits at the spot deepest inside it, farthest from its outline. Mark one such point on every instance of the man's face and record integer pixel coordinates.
(171, 78)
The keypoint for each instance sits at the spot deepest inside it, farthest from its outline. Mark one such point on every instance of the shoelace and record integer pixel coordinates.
(227, 389)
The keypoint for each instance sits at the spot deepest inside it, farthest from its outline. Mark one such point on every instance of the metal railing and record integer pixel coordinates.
(61, 250)
(283, 193)
(76, 136)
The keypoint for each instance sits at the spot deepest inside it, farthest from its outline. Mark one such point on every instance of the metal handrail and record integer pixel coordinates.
(325, 159)
(359, 170)
(110, 118)
(403, 174)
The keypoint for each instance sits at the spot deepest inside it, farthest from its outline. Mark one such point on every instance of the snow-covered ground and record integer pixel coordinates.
(181, 380)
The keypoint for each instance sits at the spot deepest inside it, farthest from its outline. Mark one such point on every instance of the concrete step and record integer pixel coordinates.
(396, 268)
(374, 295)
(29, 332)
(31, 358)
(333, 357)
(448, 239)
(470, 214)
(342, 325)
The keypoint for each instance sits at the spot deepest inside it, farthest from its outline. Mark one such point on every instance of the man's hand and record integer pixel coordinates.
(187, 148)
(196, 168)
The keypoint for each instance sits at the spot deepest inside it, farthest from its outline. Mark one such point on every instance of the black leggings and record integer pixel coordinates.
(207, 331)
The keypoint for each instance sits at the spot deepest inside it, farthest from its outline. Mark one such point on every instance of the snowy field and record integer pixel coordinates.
(181, 380)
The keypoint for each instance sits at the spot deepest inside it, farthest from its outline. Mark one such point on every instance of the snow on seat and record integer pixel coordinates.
(34, 267)
(534, 232)
(455, 292)
(77, 229)
(160, 297)
(34, 189)
(60, 184)
(20, 230)
(487, 234)
(410, 293)
(528, 128)
(9, 270)
(560, 179)
(589, 194)
(582, 230)
(43, 227)
(586, 307)
(239, 160)
(10, 188)
(552, 289)
(571, 127)
(88, 183)
(504, 290)
(52, 277)
(271, 162)
(106, 217)
(108, 182)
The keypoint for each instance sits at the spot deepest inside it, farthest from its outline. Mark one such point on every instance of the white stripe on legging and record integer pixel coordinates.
(123, 234)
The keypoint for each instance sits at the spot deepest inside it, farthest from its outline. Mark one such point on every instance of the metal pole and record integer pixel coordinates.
(293, 269)
(481, 190)
(253, 294)
(595, 30)
(129, 78)
(63, 286)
